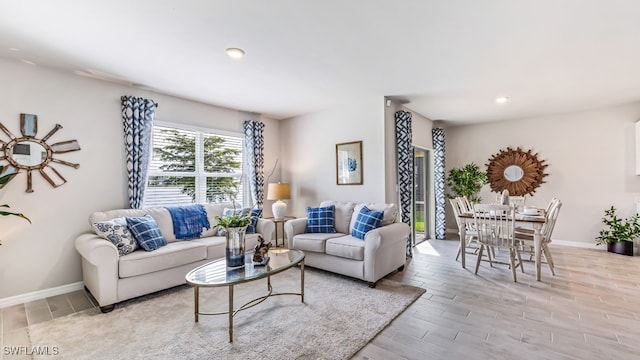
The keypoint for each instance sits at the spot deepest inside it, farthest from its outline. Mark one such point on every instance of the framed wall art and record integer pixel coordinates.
(349, 163)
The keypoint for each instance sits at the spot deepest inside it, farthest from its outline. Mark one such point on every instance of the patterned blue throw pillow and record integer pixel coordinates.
(255, 214)
(367, 220)
(116, 231)
(321, 219)
(146, 232)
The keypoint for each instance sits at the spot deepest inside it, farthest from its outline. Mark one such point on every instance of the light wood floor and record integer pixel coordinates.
(589, 310)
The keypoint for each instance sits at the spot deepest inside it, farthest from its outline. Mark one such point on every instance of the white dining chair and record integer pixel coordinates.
(495, 226)
(525, 230)
(465, 204)
(470, 234)
(526, 237)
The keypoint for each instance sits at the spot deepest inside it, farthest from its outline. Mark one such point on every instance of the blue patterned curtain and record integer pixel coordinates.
(438, 173)
(404, 150)
(137, 117)
(254, 159)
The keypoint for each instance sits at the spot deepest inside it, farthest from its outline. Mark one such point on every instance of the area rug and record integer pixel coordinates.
(338, 317)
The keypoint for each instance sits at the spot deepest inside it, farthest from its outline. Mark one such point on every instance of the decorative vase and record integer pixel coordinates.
(504, 197)
(235, 247)
(621, 247)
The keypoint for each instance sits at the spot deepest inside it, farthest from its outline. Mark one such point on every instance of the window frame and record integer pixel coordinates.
(200, 175)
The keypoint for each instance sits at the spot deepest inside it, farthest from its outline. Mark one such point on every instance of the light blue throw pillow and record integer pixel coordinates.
(321, 219)
(146, 232)
(366, 221)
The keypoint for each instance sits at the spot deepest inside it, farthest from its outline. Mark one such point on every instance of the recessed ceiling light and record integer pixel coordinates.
(502, 99)
(235, 53)
(28, 62)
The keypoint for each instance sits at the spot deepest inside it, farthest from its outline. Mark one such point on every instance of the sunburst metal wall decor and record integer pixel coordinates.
(32, 154)
(519, 172)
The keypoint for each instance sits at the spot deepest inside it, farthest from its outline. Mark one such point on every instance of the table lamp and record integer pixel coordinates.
(279, 191)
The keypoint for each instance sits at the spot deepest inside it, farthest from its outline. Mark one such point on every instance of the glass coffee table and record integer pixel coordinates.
(216, 274)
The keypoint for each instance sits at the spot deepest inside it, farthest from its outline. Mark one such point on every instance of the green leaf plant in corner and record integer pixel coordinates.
(3, 181)
(466, 181)
(617, 229)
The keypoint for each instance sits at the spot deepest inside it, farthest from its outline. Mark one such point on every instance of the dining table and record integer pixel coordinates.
(534, 222)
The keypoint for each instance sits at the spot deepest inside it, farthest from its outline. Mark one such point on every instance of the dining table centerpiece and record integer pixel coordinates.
(618, 233)
(235, 229)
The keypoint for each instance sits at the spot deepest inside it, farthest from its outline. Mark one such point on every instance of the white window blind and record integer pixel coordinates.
(191, 165)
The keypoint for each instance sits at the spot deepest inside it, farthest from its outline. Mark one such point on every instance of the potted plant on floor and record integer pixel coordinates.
(466, 181)
(619, 233)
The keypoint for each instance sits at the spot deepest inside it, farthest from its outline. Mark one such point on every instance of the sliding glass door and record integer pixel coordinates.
(421, 194)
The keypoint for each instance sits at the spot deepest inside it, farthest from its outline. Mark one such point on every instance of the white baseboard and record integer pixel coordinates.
(40, 294)
(558, 242)
(451, 231)
(578, 244)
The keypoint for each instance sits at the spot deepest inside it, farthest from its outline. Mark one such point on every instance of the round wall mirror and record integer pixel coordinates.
(28, 153)
(31, 154)
(520, 172)
(513, 173)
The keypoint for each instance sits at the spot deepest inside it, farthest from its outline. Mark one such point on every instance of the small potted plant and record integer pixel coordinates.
(235, 227)
(234, 221)
(619, 233)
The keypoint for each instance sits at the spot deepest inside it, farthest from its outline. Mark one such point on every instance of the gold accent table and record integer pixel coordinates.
(281, 222)
(216, 274)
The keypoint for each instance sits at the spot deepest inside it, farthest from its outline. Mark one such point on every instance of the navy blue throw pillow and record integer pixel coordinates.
(366, 221)
(321, 219)
(255, 214)
(146, 232)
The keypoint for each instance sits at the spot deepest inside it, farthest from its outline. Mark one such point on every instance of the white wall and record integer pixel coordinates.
(308, 153)
(591, 158)
(42, 255)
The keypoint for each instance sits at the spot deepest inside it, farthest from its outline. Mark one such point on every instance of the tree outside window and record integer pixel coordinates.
(194, 166)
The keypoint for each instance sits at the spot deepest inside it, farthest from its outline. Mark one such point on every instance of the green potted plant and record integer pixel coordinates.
(619, 233)
(235, 227)
(234, 221)
(466, 181)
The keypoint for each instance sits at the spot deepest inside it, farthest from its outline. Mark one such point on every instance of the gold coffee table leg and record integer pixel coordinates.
(230, 313)
(196, 299)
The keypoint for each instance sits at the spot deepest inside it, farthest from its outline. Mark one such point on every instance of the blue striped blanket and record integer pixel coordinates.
(188, 221)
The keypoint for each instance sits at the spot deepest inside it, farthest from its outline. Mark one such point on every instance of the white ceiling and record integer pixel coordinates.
(450, 59)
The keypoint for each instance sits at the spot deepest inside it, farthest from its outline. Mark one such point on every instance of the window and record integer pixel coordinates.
(192, 165)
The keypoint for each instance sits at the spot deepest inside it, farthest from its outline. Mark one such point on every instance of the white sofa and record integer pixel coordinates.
(112, 278)
(382, 251)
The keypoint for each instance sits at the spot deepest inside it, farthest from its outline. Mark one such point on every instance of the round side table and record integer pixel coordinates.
(281, 222)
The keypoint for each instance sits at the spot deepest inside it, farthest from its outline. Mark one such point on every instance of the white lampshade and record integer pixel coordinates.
(279, 192)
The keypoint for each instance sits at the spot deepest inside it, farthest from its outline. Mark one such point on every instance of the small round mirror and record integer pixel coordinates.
(513, 173)
(28, 153)
(33, 154)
